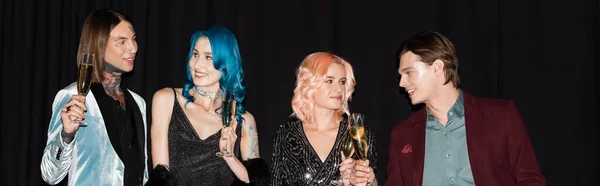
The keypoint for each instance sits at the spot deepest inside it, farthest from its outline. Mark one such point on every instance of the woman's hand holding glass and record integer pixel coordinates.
(228, 138)
(362, 174)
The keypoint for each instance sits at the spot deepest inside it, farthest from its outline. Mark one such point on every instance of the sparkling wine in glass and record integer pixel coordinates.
(84, 77)
(347, 146)
(348, 151)
(227, 114)
(359, 138)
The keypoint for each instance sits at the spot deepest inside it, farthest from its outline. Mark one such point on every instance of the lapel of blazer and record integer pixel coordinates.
(108, 117)
(138, 123)
(474, 128)
(418, 146)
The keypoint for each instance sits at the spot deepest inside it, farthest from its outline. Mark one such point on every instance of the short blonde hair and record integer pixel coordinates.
(310, 75)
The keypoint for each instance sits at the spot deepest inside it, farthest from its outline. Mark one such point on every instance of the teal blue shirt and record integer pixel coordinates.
(446, 154)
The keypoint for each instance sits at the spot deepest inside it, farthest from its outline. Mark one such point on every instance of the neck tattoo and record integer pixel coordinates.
(112, 83)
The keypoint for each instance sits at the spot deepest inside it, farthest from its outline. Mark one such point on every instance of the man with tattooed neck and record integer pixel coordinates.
(100, 139)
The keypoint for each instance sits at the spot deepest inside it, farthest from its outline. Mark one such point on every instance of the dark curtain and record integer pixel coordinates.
(541, 54)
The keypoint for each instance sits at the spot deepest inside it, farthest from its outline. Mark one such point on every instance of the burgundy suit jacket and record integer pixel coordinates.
(500, 151)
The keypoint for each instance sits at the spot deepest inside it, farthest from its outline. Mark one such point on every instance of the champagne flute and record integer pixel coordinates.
(84, 77)
(359, 138)
(348, 151)
(227, 112)
(348, 147)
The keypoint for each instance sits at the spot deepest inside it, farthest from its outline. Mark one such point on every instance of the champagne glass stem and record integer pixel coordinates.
(225, 153)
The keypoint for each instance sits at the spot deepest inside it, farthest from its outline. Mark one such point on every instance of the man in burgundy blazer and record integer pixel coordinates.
(499, 149)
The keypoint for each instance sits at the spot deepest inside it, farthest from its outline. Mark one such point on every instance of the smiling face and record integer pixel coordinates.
(202, 68)
(332, 91)
(417, 78)
(121, 47)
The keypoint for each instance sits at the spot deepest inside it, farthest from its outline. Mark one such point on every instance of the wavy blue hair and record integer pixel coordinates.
(227, 59)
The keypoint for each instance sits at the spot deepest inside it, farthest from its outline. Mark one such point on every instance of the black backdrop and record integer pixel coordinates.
(541, 54)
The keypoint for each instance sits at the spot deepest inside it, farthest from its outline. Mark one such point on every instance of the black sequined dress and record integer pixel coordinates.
(295, 162)
(192, 160)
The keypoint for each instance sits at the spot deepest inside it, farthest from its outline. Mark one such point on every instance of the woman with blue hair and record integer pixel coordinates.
(187, 129)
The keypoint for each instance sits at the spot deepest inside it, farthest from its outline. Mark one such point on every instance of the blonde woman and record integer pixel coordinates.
(307, 149)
